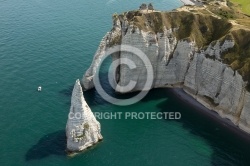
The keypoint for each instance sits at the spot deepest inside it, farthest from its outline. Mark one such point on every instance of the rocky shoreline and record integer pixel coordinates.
(201, 109)
(182, 57)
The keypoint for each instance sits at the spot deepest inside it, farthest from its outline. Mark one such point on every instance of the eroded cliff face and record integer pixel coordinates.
(82, 129)
(186, 50)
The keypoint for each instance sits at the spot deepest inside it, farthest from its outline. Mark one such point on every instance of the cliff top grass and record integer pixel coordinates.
(198, 27)
(240, 5)
(243, 5)
(204, 25)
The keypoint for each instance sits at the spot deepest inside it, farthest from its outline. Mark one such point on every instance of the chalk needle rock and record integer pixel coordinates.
(82, 130)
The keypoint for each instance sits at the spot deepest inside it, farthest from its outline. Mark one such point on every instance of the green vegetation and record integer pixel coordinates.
(205, 27)
(244, 5)
(245, 22)
(86, 126)
(224, 12)
(115, 16)
(115, 41)
(230, 12)
(196, 27)
(238, 57)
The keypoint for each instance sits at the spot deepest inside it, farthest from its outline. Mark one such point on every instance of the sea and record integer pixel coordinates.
(51, 43)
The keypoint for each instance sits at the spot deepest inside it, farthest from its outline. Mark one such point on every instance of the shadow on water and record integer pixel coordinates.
(50, 144)
(92, 97)
(230, 145)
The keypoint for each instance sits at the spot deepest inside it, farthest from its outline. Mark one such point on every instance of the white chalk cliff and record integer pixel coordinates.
(82, 130)
(179, 60)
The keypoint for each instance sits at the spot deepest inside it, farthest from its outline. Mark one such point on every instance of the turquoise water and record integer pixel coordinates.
(51, 43)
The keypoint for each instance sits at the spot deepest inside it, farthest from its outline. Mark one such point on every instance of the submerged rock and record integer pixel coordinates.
(82, 130)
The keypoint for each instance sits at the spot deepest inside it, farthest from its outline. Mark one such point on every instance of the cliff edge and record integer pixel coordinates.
(206, 54)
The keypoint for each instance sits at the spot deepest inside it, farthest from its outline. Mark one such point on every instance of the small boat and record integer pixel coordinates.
(39, 89)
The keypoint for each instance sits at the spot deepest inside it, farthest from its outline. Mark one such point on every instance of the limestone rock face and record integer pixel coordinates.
(180, 63)
(216, 86)
(244, 122)
(82, 130)
(109, 39)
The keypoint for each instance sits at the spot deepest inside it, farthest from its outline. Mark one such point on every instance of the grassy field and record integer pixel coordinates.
(244, 5)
